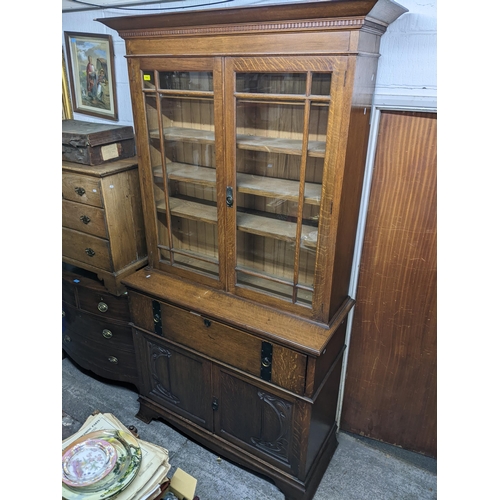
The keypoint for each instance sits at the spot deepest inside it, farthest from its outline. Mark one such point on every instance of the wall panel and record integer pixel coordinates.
(390, 391)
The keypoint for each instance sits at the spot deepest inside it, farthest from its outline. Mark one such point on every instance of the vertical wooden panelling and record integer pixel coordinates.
(390, 392)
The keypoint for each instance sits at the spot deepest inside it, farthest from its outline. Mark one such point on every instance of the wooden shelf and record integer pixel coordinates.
(246, 142)
(249, 184)
(254, 224)
(277, 188)
(278, 145)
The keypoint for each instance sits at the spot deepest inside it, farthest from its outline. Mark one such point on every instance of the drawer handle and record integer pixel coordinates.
(79, 191)
(63, 313)
(102, 306)
(85, 219)
(107, 333)
(113, 360)
(67, 338)
(89, 252)
(207, 322)
(266, 362)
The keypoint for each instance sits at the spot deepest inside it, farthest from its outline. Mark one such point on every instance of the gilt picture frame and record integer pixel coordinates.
(92, 74)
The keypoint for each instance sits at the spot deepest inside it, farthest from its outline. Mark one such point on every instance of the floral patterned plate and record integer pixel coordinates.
(87, 462)
(128, 461)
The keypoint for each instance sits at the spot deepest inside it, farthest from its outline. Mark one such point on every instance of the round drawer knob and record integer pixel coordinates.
(89, 252)
(67, 338)
(64, 314)
(102, 306)
(85, 219)
(113, 360)
(79, 191)
(107, 333)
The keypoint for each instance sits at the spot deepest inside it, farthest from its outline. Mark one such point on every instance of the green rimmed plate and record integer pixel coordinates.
(127, 465)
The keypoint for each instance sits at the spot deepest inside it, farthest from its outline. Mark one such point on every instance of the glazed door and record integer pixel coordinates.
(277, 160)
(182, 112)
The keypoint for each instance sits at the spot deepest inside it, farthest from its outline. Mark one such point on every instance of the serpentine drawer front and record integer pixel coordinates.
(96, 332)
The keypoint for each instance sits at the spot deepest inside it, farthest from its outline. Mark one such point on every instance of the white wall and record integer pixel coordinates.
(407, 66)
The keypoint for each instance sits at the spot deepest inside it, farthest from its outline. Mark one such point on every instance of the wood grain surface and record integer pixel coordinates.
(390, 392)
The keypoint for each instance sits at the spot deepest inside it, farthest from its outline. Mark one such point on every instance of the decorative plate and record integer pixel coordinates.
(88, 462)
(126, 467)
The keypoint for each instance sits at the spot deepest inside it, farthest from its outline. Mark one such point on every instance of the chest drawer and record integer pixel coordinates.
(221, 342)
(101, 332)
(84, 218)
(82, 189)
(86, 248)
(107, 360)
(104, 305)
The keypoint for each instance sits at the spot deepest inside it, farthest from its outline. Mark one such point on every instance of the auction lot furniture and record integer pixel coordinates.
(252, 128)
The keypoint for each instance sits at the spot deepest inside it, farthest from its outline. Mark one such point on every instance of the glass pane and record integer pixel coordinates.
(186, 80)
(148, 79)
(182, 152)
(268, 159)
(321, 83)
(271, 83)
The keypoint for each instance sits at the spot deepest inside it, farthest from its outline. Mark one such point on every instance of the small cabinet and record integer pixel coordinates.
(102, 219)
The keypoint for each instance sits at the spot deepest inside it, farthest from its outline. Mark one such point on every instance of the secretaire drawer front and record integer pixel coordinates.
(234, 347)
(81, 189)
(86, 248)
(84, 218)
(220, 342)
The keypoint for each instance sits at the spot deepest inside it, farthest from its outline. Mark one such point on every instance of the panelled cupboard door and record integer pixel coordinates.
(180, 104)
(237, 151)
(176, 379)
(256, 419)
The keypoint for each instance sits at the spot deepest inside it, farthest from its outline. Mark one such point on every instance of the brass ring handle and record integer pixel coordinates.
(266, 362)
(102, 306)
(89, 252)
(107, 333)
(113, 360)
(79, 191)
(85, 219)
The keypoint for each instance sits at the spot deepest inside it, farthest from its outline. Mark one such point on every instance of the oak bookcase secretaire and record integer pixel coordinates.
(252, 127)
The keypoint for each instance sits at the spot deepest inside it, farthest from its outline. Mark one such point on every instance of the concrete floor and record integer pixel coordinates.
(360, 468)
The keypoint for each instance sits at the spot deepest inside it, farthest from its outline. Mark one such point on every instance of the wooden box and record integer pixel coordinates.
(96, 143)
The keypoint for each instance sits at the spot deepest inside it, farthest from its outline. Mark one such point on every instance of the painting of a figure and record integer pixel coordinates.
(90, 58)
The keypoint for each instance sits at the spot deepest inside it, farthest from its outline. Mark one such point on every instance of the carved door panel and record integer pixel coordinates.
(256, 419)
(176, 379)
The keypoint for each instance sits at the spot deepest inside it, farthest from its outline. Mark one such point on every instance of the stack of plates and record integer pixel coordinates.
(99, 465)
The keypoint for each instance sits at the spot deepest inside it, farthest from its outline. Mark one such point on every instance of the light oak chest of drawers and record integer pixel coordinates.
(103, 225)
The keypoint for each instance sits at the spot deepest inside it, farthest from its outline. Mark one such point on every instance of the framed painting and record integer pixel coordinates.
(92, 74)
